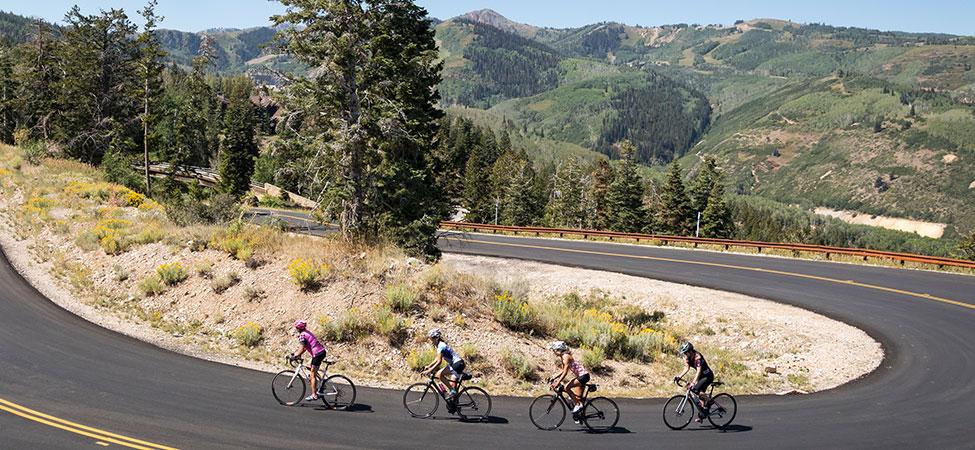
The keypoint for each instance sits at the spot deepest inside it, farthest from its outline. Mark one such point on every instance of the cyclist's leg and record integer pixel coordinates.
(313, 378)
(574, 389)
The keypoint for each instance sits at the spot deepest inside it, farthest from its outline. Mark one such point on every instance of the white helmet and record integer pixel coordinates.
(434, 333)
(559, 346)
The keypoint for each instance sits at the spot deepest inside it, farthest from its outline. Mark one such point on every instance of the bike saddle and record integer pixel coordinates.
(331, 360)
(466, 376)
(592, 387)
(717, 383)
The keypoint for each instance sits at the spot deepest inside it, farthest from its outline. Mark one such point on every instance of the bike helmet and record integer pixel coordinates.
(685, 347)
(434, 333)
(300, 325)
(558, 346)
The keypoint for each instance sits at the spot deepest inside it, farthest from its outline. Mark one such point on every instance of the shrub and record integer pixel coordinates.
(593, 358)
(119, 274)
(306, 274)
(635, 316)
(469, 352)
(149, 234)
(249, 334)
(517, 365)
(401, 298)
(172, 273)
(254, 294)
(419, 359)
(204, 269)
(391, 325)
(151, 286)
(34, 152)
(221, 284)
(350, 326)
(514, 314)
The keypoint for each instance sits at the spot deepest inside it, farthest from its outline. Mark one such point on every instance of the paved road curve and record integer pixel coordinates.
(55, 363)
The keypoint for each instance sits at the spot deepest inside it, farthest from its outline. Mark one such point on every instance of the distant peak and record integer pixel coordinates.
(495, 19)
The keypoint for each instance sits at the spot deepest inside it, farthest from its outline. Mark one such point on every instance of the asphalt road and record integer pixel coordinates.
(58, 364)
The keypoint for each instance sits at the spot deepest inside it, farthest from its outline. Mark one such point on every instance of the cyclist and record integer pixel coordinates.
(455, 364)
(570, 364)
(314, 348)
(703, 377)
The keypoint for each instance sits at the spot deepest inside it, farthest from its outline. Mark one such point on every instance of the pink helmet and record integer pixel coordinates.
(300, 325)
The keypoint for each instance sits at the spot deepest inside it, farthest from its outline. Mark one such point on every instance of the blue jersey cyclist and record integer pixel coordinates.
(452, 371)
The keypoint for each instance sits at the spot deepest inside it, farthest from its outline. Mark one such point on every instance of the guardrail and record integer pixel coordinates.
(828, 251)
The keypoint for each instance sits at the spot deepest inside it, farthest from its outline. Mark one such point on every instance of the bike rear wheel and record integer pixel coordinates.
(421, 400)
(288, 389)
(600, 415)
(723, 410)
(547, 412)
(678, 413)
(338, 392)
(473, 403)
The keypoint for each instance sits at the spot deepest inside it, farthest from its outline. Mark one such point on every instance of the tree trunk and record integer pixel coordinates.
(145, 132)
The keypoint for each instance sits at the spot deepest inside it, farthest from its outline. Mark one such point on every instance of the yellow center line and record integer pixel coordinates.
(730, 266)
(77, 428)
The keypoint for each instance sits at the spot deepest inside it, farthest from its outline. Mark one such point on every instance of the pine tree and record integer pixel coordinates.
(595, 193)
(625, 199)
(565, 207)
(700, 190)
(8, 101)
(675, 216)
(478, 193)
(38, 77)
(518, 202)
(238, 148)
(716, 219)
(150, 65)
(374, 110)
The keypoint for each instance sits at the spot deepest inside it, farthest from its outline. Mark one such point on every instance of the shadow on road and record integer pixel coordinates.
(355, 408)
(733, 428)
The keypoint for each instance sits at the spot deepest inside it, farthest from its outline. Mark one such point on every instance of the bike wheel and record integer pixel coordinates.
(338, 392)
(723, 409)
(600, 414)
(547, 412)
(678, 412)
(421, 400)
(287, 388)
(473, 403)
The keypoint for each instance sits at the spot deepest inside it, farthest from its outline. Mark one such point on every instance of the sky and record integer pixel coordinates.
(943, 16)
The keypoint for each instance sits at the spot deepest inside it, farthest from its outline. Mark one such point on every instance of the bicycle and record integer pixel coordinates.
(547, 412)
(335, 391)
(470, 402)
(721, 409)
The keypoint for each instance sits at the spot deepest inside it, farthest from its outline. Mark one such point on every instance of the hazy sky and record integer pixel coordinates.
(947, 16)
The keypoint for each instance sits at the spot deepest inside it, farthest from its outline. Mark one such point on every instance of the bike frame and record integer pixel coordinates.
(436, 387)
(688, 395)
(300, 372)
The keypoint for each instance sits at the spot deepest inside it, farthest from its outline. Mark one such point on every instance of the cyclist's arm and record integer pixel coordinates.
(682, 373)
(565, 370)
(301, 351)
(697, 376)
(435, 363)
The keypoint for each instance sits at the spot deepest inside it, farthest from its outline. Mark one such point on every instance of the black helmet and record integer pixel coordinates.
(685, 347)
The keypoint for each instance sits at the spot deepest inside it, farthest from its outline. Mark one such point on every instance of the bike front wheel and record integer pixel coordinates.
(723, 410)
(421, 400)
(288, 389)
(338, 392)
(473, 403)
(678, 412)
(600, 415)
(547, 412)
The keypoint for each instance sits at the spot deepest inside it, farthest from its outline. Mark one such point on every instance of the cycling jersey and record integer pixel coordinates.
(448, 353)
(700, 362)
(576, 368)
(311, 344)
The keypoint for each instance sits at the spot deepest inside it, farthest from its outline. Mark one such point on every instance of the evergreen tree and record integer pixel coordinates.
(150, 66)
(518, 202)
(700, 190)
(595, 196)
(478, 193)
(238, 149)
(566, 206)
(675, 216)
(38, 77)
(625, 199)
(100, 84)
(716, 219)
(8, 101)
(374, 107)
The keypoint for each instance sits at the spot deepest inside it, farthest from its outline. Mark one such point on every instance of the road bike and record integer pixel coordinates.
(720, 409)
(335, 391)
(599, 414)
(422, 399)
